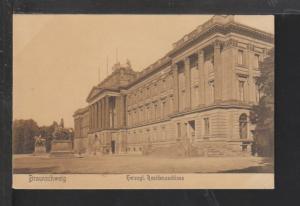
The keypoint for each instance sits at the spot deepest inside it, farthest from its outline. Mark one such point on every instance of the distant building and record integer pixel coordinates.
(193, 101)
(81, 129)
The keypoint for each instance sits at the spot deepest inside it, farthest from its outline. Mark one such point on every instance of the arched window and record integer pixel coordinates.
(243, 126)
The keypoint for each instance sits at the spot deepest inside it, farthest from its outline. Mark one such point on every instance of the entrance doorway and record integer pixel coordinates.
(113, 146)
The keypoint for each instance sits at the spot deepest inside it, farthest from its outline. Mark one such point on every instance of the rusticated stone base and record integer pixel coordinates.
(220, 148)
(202, 149)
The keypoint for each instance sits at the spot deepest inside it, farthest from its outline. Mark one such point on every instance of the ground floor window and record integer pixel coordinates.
(206, 126)
(211, 85)
(178, 130)
(243, 126)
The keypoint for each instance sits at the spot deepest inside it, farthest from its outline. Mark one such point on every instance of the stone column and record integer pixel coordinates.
(233, 76)
(102, 114)
(94, 112)
(121, 113)
(201, 88)
(97, 118)
(187, 74)
(96, 115)
(99, 114)
(112, 117)
(251, 81)
(218, 71)
(90, 117)
(125, 106)
(107, 120)
(176, 89)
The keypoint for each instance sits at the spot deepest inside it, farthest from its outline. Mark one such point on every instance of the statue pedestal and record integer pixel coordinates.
(61, 148)
(39, 150)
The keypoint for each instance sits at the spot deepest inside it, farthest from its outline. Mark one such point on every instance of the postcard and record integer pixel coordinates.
(143, 101)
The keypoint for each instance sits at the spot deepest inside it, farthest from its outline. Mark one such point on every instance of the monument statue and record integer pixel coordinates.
(39, 145)
(61, 145)
(60, 133)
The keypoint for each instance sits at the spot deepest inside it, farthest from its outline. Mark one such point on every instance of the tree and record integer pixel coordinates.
(24, 132)
(262, 115)
(46, 132)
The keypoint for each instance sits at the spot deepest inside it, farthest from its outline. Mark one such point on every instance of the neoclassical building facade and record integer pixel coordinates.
(193, 101)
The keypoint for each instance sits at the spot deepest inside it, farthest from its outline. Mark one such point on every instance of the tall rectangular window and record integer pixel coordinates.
(141, 95)
(155, 112)
(257, 93)
(242, 90)
(148, 92)
(163, 109)
(148, 113)
(212, 91)
(171, 105)
(128, 119)
(135, 120)
(206, 126)
(155, 89)
(164, 84)
(178, 130)
(256, 61)
(240, 57)
(134, 137)
(141, 115)
(163, 132)
(194, 61)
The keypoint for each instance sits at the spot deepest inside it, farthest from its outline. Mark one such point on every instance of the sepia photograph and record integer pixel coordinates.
(143, 101)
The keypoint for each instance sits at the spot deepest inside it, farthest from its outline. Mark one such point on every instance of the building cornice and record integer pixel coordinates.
(100, 91)
(80, 111)
(150, 71)
(222, 105)
(224, 30)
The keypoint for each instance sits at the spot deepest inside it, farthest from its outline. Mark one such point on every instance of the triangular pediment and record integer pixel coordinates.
(94, 92)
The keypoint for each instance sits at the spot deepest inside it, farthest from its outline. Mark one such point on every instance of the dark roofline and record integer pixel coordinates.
(81, 111)
(101, 90)
(151, 72)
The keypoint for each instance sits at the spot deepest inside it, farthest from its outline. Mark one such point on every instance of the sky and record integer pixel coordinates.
(57, 59)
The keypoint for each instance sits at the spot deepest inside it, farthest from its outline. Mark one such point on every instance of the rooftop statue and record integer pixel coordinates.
(128, 64)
